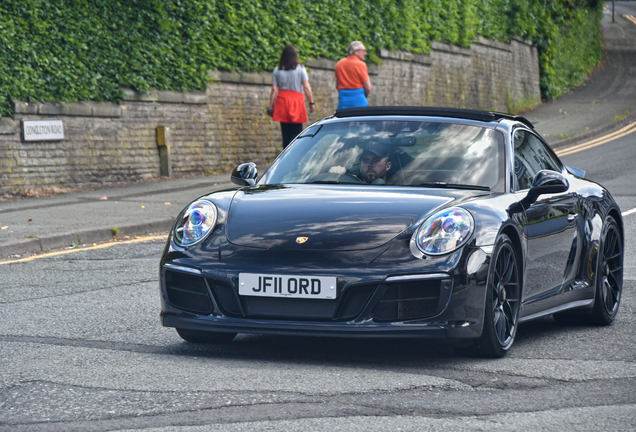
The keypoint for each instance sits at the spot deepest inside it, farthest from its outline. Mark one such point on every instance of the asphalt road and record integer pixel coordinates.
(81, 348)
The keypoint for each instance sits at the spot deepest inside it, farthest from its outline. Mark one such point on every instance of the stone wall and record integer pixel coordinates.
(212, 131)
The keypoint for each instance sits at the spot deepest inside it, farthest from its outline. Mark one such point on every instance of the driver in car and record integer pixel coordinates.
(374, 163)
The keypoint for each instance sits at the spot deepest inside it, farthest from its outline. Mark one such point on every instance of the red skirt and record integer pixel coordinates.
(289, 107)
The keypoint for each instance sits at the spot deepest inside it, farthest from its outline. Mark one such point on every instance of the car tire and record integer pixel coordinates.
(205, 337)
(503, 298)
(608, 284)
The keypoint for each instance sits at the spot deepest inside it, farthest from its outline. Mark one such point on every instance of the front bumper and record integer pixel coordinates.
(430, 298)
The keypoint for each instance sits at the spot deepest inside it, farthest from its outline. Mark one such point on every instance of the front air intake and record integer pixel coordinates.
(188, 292)
(412, 300)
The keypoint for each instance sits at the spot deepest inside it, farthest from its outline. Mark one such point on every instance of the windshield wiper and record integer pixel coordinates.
(451, 186)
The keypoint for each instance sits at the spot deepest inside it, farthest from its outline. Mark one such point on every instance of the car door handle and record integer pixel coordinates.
(572, 216)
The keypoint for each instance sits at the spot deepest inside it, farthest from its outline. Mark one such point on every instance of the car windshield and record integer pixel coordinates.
(394, 153)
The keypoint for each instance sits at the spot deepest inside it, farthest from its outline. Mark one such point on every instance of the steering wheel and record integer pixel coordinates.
(337, 177)
(349, 178)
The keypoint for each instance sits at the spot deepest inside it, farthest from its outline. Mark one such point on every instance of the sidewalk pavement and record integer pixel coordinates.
(32, 225)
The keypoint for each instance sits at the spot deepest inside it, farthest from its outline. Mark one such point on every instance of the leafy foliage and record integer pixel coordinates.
(68, 50)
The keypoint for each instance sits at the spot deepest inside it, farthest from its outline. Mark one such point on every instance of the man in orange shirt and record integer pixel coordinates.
(352, 78)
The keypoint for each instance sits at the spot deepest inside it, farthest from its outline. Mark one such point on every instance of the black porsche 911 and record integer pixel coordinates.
(398, 222)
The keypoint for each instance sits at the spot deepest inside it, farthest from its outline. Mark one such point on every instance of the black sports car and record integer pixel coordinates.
(398, 222)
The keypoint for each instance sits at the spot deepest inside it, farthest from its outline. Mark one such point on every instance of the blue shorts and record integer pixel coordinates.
(351, 98)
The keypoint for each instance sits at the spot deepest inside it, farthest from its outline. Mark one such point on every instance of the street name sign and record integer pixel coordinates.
(43, 130)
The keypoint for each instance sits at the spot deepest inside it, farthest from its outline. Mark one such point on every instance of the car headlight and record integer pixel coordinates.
(445, 231)
(195, 223)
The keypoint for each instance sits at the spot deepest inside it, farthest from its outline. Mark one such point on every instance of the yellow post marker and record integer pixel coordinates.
(164, 141)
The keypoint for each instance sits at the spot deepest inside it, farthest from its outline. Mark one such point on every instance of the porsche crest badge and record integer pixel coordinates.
(301, 240)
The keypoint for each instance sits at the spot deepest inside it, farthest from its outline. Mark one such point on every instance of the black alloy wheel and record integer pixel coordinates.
(502, 302)
(205, 337)
(609, 275)
(608, 281)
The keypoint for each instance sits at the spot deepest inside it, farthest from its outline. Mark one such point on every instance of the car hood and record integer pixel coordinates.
(330, 218)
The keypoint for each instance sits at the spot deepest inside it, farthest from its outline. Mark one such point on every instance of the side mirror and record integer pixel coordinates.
(245, 174)
(548, 182)
(545, 182)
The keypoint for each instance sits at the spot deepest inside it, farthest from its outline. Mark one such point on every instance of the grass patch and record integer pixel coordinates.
(621, 116)
(519, 105)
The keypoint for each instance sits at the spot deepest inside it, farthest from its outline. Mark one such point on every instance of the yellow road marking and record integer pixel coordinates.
(99, 246)
(598, 141)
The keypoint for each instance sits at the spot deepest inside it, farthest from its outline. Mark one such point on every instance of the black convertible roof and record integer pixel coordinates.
(430, 111)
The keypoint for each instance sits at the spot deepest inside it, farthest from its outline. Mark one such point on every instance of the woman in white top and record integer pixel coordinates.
(289, 82)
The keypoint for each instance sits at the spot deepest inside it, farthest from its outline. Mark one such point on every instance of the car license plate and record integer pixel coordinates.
(309, 287)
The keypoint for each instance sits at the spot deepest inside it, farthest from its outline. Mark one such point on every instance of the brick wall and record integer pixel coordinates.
(226, 125)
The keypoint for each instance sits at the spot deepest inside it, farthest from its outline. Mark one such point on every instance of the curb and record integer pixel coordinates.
(57, 241)
(595, 133)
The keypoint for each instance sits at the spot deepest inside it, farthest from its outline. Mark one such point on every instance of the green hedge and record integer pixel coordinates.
(68, 50)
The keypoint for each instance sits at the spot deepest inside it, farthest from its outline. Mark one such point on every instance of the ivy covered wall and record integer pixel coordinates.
(70, 50)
